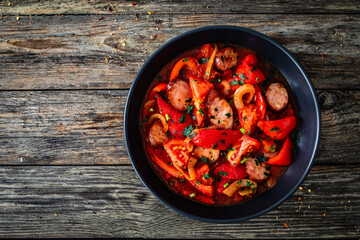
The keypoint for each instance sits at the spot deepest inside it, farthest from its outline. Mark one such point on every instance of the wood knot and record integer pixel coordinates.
(327, 99)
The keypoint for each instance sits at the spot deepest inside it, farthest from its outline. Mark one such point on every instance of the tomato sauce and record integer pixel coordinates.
(219, 124)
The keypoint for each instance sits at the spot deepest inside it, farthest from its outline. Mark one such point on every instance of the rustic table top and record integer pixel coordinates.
(65, 71)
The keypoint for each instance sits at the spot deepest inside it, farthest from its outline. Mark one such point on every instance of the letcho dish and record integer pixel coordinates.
(219, 124)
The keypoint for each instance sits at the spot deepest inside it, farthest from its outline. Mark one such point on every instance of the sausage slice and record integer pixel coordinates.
(179, 93)
(157, 136)
(226, 58)
(220, 114)
(277, 96)
(256, 171)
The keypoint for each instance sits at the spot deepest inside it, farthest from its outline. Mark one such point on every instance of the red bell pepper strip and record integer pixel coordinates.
(252, 74)
(173, 117)
(247, 144)
(278, 129)
(227, 171)
(216, 139)
(202, 175)
(200, 115)
(199, 89)
(162, 161)
(205, 189)
(187, 190)
(189, 62)
(250, 60)
(158, 88)
(260, 102)
(285, 155)
(248, 116)
(219, 185)
(268, 144)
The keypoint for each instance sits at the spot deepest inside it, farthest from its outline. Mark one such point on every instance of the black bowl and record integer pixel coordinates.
(308, 111)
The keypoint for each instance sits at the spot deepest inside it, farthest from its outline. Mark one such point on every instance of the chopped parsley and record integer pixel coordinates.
(254, 68)
(226, 184)
(221, 173)
(182, 119)
(206, 176)
(224, 133)
(243, 130)
(212, 117)
(266, 174)
(204, 160)
(203, 60)
(260, 159)
(192, 135)
(189, 100)
(189, 109)
(167, 117)
(215, 109)
(234, 82)
(201, 111)
(242, 76)
(186, 132)
(185, 60)
(228, 115)
(215, 146)
(192, 195)
(275, 129)
(257, 79)
(273, 148)
(244, 118)
(151, 109)
(169, 163)
(222, 141)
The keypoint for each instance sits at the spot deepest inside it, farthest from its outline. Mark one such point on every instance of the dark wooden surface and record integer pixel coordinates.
(65, 71)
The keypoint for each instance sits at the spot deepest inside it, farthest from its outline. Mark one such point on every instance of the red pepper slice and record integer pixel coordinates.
(250, 60)
(249, 116)
(163, 161)
(189, 62)
(205, 189)
(200, 115)
(158, 88)
(260, 102)
(179, 151)
(216, 139)
(285, 155)
(199, 89)
(278, 129)
(247, 144)
(175, 127)
(268, 144)
(252, 74)
(187, 190)
(219, 185)
(202, 175)
(227, 171)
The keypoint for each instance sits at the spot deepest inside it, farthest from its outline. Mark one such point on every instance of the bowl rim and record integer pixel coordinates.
(313, 96)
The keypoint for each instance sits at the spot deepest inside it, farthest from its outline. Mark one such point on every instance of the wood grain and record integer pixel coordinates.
(173, 6)
(86, 127)
(56, 52)
(111, 201)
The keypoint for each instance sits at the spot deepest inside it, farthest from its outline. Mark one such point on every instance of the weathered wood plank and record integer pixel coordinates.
(56, 52)
(86, 127)
(111, 201)
(169, 7)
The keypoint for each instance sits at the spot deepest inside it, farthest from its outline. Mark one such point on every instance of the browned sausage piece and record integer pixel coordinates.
(220, 114)
(277, 96)
(211, 95)
(256, 171)
(157, 136)
(226, 58)
(179, 93)
(209, 153)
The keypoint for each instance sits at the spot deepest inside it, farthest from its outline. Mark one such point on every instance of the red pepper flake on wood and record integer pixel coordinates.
(285, 225)
(133, 3)
(101, 18)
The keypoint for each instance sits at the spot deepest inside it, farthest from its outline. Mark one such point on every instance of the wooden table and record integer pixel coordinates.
(65, 71)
